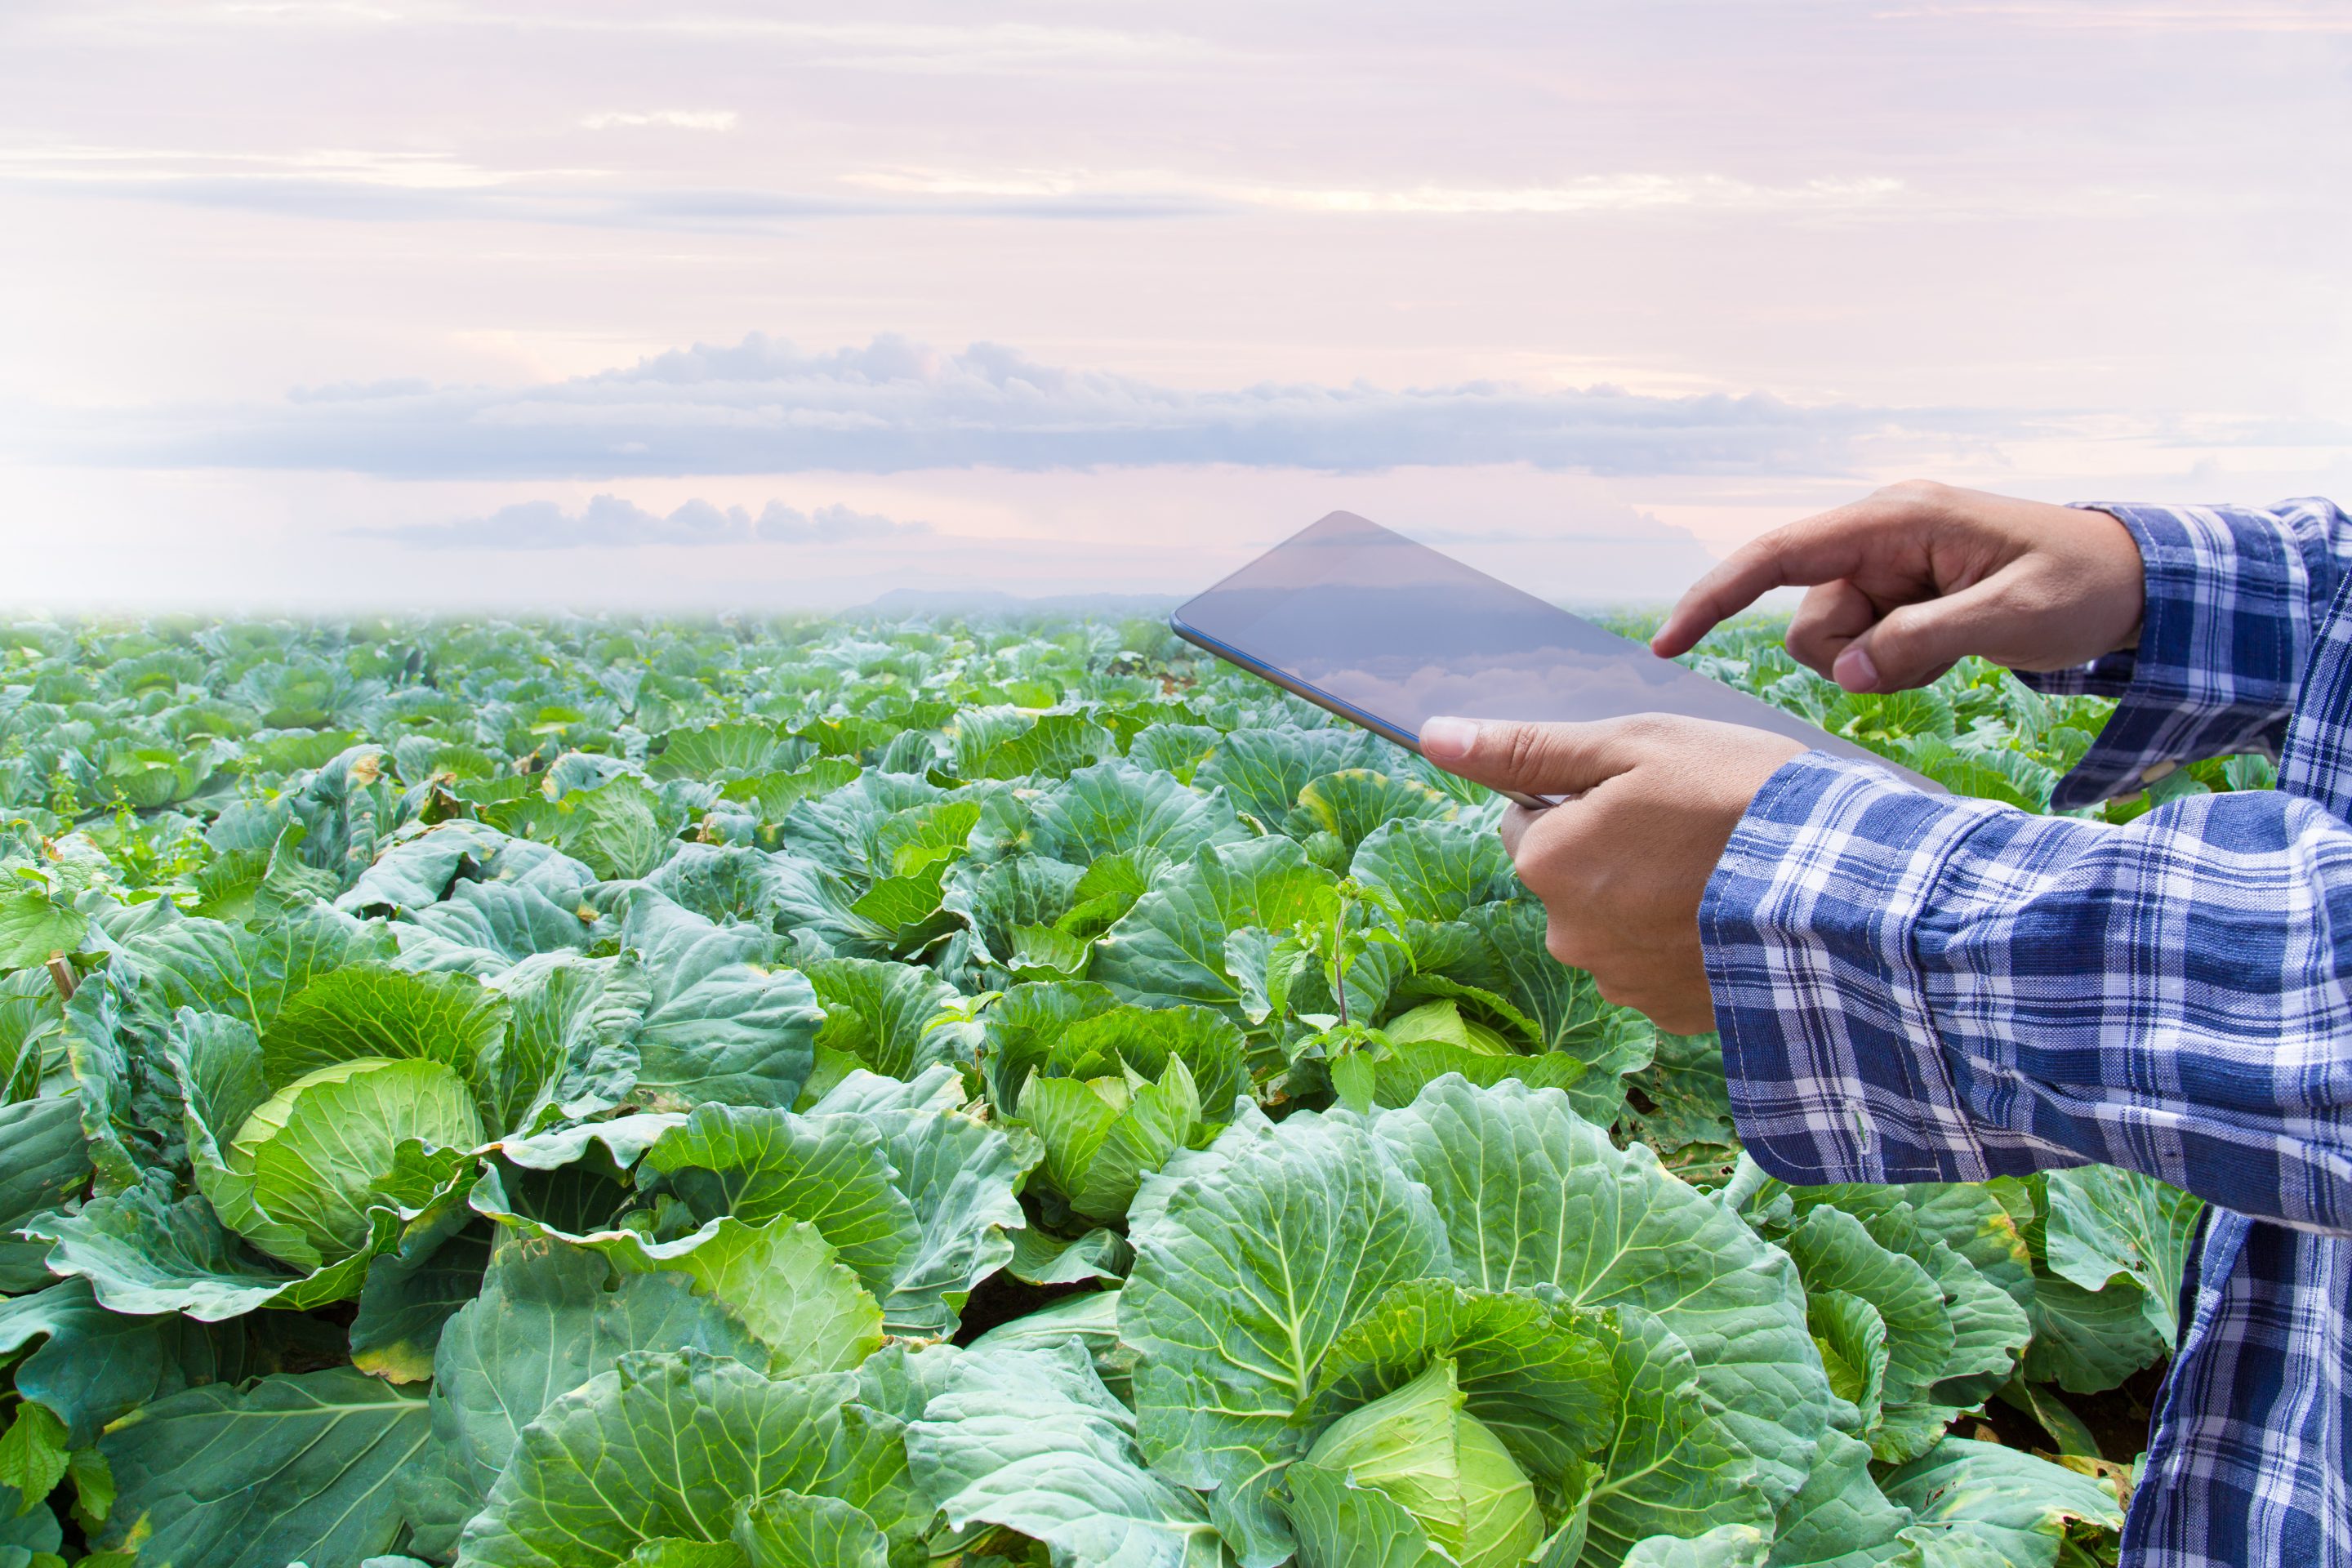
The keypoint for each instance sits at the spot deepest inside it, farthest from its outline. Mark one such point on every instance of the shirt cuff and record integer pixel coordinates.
(1836, 1071)
(2221, 647)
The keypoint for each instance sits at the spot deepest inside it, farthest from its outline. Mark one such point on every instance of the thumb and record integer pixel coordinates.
(1913, 644)
(1533, 759)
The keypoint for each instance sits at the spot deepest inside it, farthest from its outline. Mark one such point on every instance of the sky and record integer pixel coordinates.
(366, 303)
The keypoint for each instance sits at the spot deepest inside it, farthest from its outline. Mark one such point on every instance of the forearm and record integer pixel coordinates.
(1911, 988)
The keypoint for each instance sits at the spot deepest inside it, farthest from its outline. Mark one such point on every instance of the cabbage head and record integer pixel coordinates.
(322, 1137)
(322, 1151)
(1422, 1453)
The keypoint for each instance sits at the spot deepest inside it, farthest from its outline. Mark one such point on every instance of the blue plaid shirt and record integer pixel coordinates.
(1919, 988)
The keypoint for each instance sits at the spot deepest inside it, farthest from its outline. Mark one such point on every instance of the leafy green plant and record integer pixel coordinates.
(1004, 1094)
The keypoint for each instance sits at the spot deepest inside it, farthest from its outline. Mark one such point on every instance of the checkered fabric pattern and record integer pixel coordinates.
(1919, 988)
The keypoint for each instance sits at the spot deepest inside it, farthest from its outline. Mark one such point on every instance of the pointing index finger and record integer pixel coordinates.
(1819, 550)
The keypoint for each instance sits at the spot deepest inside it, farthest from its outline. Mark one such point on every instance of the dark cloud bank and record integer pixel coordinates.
(765, 406)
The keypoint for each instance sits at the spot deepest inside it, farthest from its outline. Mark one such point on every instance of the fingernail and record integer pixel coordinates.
(1855, 671)
(1448, 740)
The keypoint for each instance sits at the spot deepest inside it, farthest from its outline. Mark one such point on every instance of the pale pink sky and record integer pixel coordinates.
(324, 304)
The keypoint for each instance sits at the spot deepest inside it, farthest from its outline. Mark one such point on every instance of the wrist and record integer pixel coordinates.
(2121, 573)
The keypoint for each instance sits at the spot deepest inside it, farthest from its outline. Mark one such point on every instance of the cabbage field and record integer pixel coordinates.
(769, 1094)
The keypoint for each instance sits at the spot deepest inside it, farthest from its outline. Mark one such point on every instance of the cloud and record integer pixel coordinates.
(931, 47)
(405, 186)
(423, 186)
(1593, 193)
(609, 522)
(103, 168)
(2106, 16)
(1619, 192)
(671, 119)
(762, 406)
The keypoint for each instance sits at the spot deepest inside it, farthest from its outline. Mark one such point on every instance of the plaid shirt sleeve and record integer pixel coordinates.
(1912, 987)
(2234, 597)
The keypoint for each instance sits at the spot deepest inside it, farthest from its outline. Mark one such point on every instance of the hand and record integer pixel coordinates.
(1621, 867)
(1909, 580)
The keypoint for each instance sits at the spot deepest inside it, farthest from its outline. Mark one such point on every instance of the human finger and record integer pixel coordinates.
(1832, 615)
(1529, 758)
(1913, 644)
(1516, 820)
(1819, 549)
(1554, 849)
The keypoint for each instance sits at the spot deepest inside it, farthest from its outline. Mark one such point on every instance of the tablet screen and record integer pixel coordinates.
(1390, 632)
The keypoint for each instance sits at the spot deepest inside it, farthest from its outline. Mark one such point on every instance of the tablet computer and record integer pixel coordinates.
(1386, 633)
